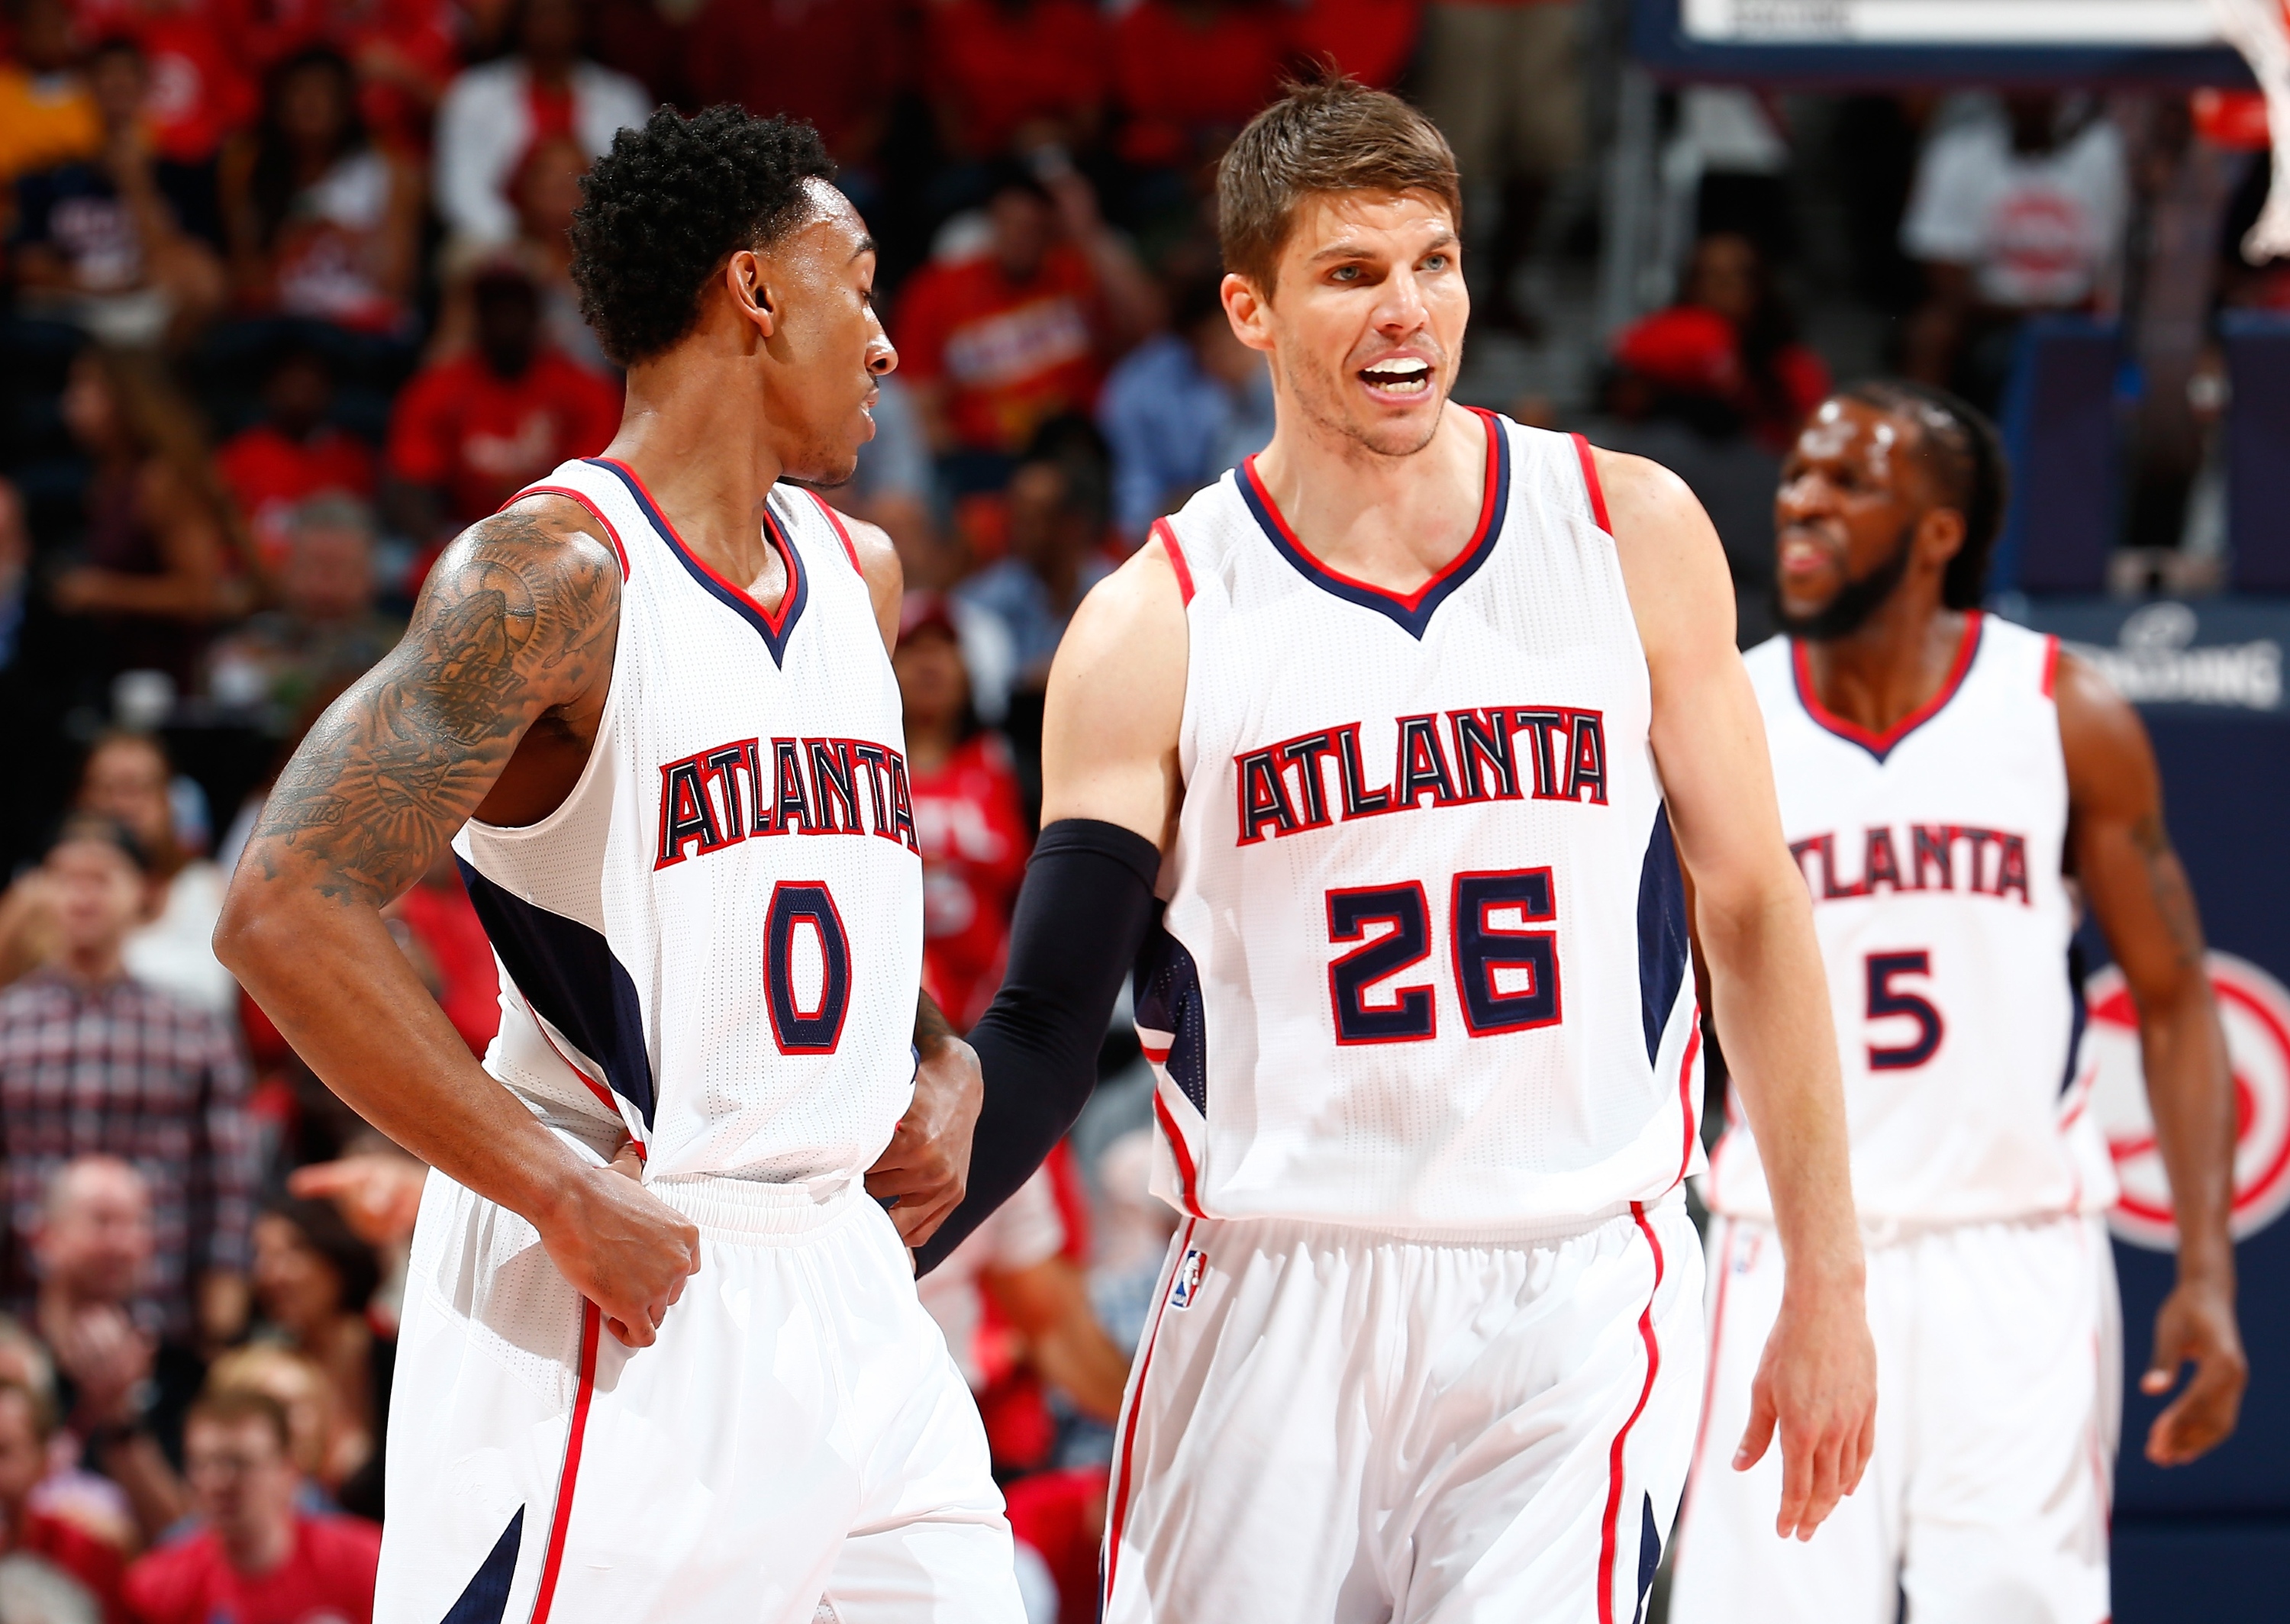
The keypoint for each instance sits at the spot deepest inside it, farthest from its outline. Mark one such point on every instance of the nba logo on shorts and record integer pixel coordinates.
(1188, 1282)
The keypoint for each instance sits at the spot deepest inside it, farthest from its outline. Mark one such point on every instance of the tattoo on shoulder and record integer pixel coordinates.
(519, 616)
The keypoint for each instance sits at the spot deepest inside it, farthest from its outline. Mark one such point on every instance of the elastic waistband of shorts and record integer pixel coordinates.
(755, 1213)
(1534, 1232)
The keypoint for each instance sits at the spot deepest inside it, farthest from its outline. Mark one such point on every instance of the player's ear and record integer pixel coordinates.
(751, 293)
(1940, 536)
(1248, 311)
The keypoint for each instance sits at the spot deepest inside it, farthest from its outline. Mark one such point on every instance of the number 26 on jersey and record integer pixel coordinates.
(1504, 968)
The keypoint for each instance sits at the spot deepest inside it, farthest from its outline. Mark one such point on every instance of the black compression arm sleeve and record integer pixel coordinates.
(1081, 916)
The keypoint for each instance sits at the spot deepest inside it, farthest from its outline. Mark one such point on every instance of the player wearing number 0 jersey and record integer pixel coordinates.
(1416, 715)
(661, 1355)
(1942, 774)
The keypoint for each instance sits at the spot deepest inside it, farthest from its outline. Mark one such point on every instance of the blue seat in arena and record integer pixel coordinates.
(2061, 428)
(2257, 345)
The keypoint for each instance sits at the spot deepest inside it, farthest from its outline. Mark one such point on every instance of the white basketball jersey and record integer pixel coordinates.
(1934, 856)
(1422, 967)
(716, 943)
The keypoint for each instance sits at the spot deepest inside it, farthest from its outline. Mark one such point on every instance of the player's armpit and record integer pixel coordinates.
(518, 617)
(2138, 892)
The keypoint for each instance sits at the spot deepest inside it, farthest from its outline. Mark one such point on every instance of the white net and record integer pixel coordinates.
(2260, 30)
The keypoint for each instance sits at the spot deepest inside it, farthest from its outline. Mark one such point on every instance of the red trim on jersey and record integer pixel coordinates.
(1708, 1384)
(841, 533)
(1120, 1511)
(1881, 744)
(1606, 1528)
(591, 1326)
(1409, 601)
(1590, 478)
(776, 620)
(603, 1094)
(2051, 665)
(570, 494)
(1686, 1094)
(1168, 534)
(1186, 1176)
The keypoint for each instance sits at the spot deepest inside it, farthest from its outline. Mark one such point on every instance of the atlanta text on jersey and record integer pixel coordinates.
(1932, 865)
(717, 797)
(1283, 787)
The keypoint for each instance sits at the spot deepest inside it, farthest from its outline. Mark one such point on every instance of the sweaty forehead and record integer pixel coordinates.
(1851, 431)
(828, 228)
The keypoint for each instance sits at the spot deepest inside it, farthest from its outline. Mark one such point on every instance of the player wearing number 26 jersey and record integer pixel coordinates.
(1420, 719)
(1943, 773)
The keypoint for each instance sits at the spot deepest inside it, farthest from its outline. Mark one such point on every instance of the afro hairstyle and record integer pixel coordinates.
(663, 209)
(1970, 472)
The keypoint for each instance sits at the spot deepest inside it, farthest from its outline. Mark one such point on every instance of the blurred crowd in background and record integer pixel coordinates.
(288, 305)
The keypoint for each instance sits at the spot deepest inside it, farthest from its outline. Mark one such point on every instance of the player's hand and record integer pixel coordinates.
(2196, 1323)
(623, 1248)
(926, 1165)
(1817, 1382)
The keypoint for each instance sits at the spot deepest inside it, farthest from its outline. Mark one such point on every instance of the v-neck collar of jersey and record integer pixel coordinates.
(1411, 612)
(774, 627)
(1881, 745)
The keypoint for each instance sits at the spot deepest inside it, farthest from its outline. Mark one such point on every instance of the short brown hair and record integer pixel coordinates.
(1334, 136)
(233, 1407)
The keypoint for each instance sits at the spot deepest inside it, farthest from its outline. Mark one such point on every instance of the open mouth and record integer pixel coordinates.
(1398, 377)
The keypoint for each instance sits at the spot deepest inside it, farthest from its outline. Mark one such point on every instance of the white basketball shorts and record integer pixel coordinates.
(1333, 1426)
(795, 1445)
(1999, 1387)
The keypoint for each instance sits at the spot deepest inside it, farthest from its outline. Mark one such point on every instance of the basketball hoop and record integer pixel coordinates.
(2260, 30)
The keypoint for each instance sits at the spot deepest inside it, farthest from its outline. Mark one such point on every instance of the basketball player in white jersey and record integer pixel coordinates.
(1405, 713)
(1944, 778)
(662, 1356)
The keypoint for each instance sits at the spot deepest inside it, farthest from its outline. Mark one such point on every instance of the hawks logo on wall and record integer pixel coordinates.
(2254, 1009)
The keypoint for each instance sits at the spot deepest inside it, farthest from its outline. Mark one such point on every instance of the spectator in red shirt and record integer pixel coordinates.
(1371, 40)
(27, 1423)
(200, 91)
(467, 433)
(322, 223)
(1725, 356)
(258, 1560)
(404, 51)
(967, 816)
(834, 64)
(1189, 72)
(993, 346)
(1006, 74)
(293, 453)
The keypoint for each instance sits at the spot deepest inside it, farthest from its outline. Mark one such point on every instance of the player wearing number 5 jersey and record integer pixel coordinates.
(1945, 777)
(1414, 718)
(661, 1355)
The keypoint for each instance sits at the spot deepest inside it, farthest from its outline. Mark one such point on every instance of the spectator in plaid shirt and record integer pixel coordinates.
(94, 1063)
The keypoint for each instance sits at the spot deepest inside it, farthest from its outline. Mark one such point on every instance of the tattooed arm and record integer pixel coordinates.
(488, 704)
(2122, 854)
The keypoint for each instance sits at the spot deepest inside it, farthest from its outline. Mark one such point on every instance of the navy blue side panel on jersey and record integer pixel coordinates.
(1167, 992)
(1661, 931)
(2079, 1015)
(569, 975)
(773, 630)
(486, 1601)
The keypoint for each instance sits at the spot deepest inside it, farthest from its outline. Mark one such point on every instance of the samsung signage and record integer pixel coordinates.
(2224, 656)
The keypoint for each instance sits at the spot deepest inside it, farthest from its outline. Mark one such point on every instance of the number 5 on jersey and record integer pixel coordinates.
(1506, 976)
(1887, 1000)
